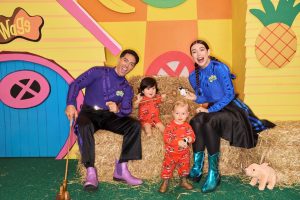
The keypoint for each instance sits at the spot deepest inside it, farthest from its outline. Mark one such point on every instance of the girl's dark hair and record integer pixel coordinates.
(147, 82)
(196, 65)
(131, 52)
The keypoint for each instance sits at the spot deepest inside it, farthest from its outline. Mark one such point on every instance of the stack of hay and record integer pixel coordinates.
(232, 160)
(280, 148)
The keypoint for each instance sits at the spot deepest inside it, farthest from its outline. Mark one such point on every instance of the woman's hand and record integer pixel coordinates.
(190, 96)
(201, 109)
(71, 112)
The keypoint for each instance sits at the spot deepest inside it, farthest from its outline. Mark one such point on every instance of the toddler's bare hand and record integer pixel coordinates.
(182, 144)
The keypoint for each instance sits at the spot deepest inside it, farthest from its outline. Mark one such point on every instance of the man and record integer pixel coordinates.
(107, 104)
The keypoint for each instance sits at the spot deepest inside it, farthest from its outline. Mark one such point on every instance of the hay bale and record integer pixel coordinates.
(278, 146)
(149, 167)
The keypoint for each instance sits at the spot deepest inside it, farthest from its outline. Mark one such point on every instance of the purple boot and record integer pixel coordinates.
(122, 173)
(91, 180)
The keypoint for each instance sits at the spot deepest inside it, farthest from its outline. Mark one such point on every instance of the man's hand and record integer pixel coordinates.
(71, 112)
(190, 96)
(113, 107)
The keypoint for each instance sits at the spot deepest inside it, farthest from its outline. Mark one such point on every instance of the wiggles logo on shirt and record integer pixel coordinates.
(212, 78)
(120, 93)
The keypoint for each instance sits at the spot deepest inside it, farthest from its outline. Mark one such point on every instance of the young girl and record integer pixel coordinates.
(148, 101)
(177, 137)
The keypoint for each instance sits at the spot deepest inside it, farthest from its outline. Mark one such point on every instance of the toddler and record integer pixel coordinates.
(178, 135)
(148, 101)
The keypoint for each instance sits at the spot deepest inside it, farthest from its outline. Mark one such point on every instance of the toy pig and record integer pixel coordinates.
(263, 174)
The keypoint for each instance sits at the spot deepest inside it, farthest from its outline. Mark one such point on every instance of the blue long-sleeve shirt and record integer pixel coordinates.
(215, 86)
(102, 84)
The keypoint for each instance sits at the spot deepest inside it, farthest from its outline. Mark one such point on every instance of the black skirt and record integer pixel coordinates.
(237, 124)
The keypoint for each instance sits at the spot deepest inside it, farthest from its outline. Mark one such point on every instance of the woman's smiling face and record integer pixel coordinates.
(200, 55)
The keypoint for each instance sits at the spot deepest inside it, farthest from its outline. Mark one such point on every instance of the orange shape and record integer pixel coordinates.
(35, 22)
(164, 36)
(100, 13)
(214, 9)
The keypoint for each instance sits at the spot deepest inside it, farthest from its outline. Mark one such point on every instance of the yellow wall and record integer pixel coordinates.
(64, 39)
(133, 37)
(218, 34)
(271, 93)
(239, 9)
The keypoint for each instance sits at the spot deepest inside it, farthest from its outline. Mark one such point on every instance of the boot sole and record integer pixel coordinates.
(119, 180)
(90, 188)
(123, 181)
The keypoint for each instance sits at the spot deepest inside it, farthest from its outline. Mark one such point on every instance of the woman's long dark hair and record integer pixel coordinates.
(196, 65)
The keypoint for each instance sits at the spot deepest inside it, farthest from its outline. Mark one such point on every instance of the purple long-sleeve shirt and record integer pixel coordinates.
(102, 84)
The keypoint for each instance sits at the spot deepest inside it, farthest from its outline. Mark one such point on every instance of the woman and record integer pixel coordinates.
(226, 116)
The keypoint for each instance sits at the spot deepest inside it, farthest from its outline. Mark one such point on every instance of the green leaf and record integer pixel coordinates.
(267, 17)
(286, 12)
(268, 6)
(260, 15)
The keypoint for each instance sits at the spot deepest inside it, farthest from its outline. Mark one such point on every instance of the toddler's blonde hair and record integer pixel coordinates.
(181, 103)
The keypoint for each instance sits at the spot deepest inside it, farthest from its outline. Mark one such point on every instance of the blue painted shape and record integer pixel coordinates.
(39, 131)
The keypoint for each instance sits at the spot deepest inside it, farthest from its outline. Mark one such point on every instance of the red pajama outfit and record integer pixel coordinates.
(176, 156)
(149, 110)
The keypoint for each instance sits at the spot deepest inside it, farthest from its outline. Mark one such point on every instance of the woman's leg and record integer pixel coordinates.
(196, 123)
(212, 141)
(211, 137)
(198, 147)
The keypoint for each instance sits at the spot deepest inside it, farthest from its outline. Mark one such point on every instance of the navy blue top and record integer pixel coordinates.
(102, 84)
(215, 86)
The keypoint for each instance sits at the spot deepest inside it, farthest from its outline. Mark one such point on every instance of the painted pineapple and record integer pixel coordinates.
(277, 43)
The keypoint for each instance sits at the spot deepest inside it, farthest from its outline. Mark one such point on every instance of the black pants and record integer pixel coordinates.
(90, 120)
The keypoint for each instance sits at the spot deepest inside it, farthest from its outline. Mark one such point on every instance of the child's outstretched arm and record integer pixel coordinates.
(137, 101)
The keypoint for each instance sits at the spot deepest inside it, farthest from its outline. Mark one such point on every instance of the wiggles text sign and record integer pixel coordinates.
(20, 25)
